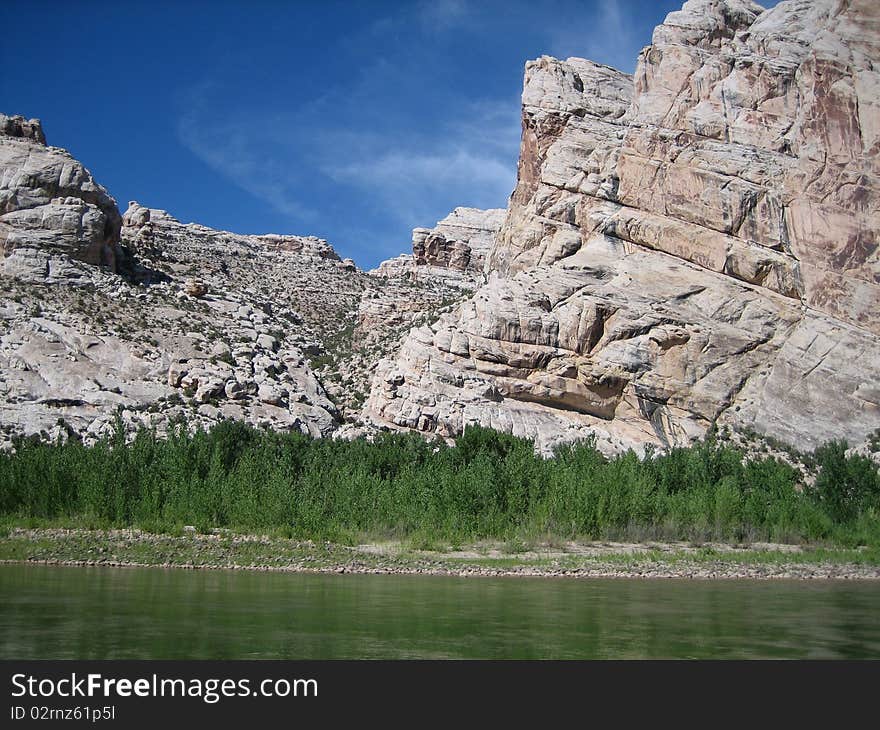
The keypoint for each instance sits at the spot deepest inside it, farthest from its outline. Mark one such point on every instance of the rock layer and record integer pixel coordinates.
(453, 252)
(691, 246)
(447, 261)
(414, 289)
(460, 241)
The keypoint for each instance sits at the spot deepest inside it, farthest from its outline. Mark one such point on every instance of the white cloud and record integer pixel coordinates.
(412, 164)
(469, 160)
(235, 149)
(601, 34)
(409, 182)
(443, 14)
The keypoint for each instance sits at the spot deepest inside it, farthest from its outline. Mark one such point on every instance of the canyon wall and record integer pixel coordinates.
(693, 245)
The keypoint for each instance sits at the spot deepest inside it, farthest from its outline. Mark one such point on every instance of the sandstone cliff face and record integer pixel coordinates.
(446, 263)
(52, 212)
(460, 242)
(414, 289)
(453, 252)
(207, 327)
(693, 245)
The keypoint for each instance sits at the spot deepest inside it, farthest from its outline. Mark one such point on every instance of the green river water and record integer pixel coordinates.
(115, 613)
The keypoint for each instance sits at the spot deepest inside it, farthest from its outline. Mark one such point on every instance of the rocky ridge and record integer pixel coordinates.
(408, 291)
(446, 263)
(145, 317)
(142, 316)
(75, 351)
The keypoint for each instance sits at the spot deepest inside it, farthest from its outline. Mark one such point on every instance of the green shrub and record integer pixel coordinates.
(845, 485)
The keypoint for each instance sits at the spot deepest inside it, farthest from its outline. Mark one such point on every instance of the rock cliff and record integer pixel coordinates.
(414, 289)
(53, 215)
(688, 247)
(451, 253)
(155, 320)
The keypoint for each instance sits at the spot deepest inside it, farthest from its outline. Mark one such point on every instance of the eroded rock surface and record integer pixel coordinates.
(219, 330)
(145, 317)
(460, 242)
(414, 289)
(154, 319)
(690, 246)
(53, 215)
(453, 253)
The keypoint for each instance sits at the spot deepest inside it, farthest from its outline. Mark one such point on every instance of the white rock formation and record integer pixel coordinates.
(453, 253)
(53, 214)
(691, 246)
(202, 323)
(177, 319)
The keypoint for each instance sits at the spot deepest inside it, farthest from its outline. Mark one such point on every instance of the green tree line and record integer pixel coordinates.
(489, 485)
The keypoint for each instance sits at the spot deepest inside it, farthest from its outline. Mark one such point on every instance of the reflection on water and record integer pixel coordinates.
(112, 613)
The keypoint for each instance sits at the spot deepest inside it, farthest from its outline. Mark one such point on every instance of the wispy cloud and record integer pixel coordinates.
(443, 14)
(237, 149)
(406, 135)
(406, 180)
(603, 34)
(468, 160)
(413, 164)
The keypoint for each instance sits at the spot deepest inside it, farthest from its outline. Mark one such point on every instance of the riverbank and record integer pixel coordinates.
(489, 486)
(230, 551)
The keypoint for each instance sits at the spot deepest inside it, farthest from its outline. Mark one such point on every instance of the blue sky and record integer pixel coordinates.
(352, 121)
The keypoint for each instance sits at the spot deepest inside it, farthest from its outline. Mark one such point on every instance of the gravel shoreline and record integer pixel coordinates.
(659, 571)
(136, 549)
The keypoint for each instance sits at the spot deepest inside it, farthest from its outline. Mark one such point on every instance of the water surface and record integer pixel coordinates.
(134, 613)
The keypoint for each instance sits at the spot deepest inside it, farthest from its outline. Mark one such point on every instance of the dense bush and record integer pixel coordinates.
(847, 485)
(489, 485)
